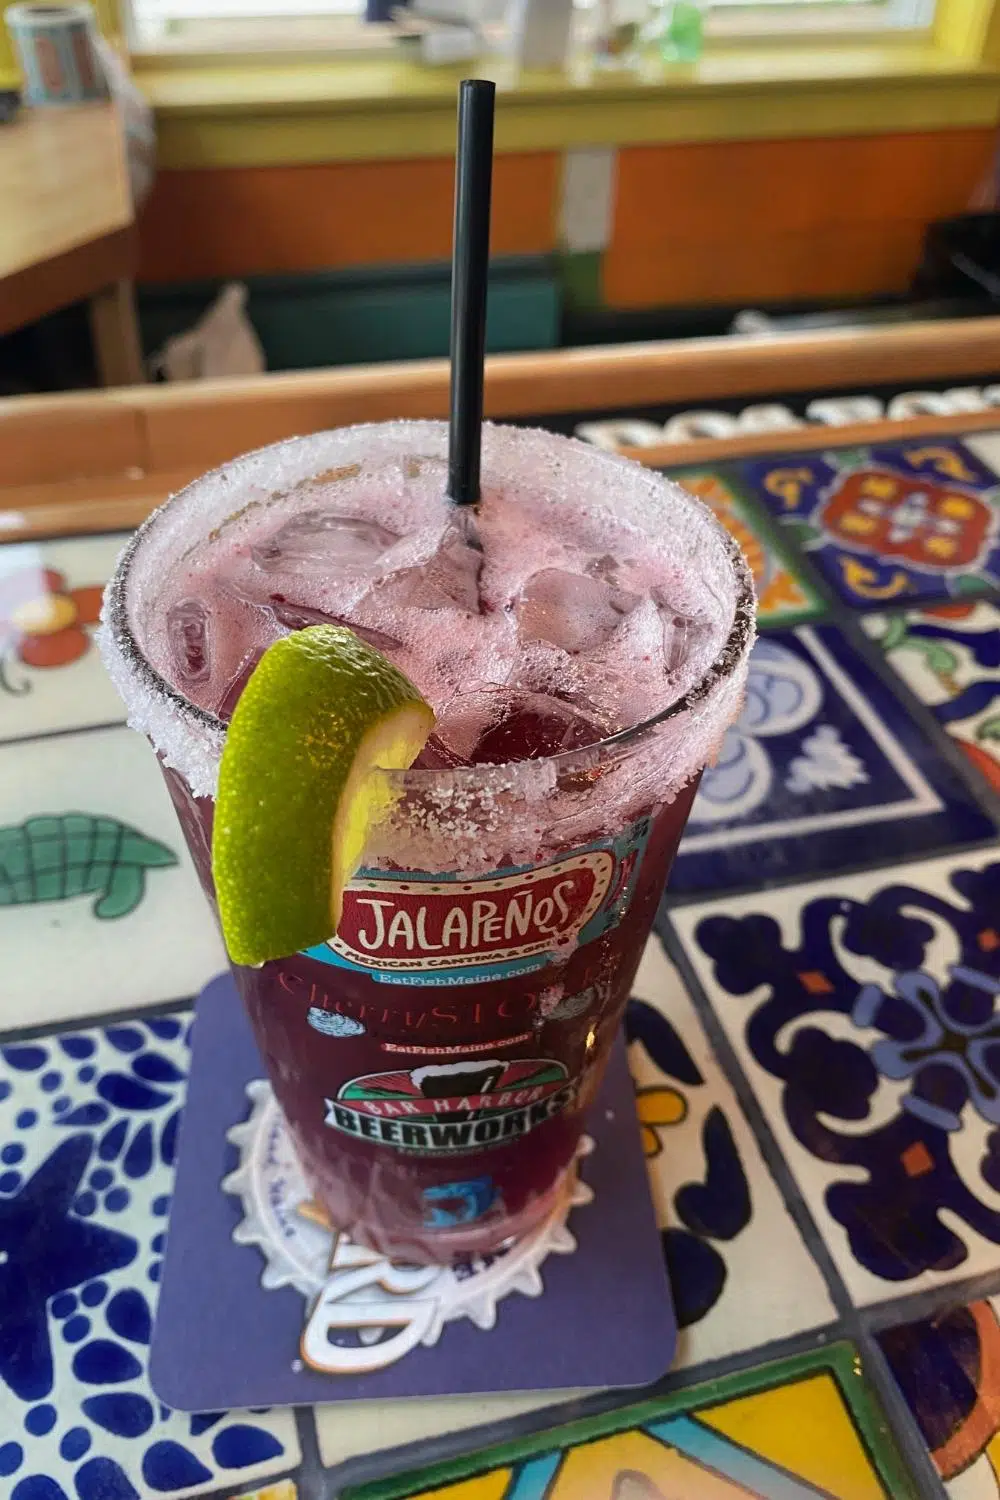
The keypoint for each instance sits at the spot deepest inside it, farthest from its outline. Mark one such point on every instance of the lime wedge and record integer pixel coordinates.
(300, 789)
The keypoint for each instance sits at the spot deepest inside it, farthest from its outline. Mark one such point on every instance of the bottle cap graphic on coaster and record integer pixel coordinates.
(363, 1312)
(244, 1267)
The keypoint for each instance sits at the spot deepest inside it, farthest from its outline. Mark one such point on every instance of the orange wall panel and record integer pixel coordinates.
(696, 222)
(235, 221)
(732, 221)
(845, 261)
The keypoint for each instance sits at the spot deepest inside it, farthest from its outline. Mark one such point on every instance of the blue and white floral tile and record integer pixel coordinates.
(823, 765)
(915, 520)
(723, 1221)
(88, 1136)
(864, 1013)
(100, 908)
(51, 677)
(950, 657)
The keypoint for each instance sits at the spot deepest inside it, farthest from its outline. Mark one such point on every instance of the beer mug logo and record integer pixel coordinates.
(460, 1106)
(462, 1078)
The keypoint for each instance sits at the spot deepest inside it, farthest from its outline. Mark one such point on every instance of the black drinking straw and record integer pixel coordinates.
(469, 272)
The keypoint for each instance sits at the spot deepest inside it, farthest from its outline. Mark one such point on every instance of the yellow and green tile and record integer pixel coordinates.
(804, 1428)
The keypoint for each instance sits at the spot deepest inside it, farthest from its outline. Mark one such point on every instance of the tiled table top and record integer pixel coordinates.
(814, 1038)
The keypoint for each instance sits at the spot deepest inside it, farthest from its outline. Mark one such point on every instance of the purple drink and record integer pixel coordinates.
(583, 639)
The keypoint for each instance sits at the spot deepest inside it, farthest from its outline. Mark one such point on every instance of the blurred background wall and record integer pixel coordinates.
(793, 176)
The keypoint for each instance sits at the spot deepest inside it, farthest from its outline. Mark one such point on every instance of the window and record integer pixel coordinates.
(338, 25)
(791, 17)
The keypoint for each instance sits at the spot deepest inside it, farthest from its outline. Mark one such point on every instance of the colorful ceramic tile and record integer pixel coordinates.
(864, 1013)
(950, 656)
(51, 676)
(377, 1427)
(986, 446)
(88, 1135)
(948, 1368)
(723, 1221)
(783, 594)
(100, 907)
(823, 765)
(914, 520)
(285, 1489)
(807, 1428)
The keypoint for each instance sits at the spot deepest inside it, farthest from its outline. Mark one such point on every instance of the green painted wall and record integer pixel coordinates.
(356, 317)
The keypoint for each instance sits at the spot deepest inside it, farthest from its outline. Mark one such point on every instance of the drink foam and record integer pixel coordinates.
(582, 579)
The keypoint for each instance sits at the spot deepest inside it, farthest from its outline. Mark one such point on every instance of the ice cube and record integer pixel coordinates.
(680, 636)
(438, 756)
(380, 639)
(295, 616)
(461, 722)
(323, 541)
(607, 568)
(626, 674)
(500, 725)
(533, 726)
(447, 580)
(456, 568)
(189, 631)
(230, 694)
(298, 616)
(571, 610)
(684, 636)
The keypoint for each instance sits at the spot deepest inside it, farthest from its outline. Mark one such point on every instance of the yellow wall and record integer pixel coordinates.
(779, 170)
(762, 172)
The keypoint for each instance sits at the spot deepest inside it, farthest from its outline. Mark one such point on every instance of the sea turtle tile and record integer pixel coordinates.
(722, 1220)
(784, 594)
(823, 768)
(88, 1138)
(864, 1012)
(949, 655)
(894, 522)
(947, 1366)
(100, 908)
(807, 1428)
(51, 676)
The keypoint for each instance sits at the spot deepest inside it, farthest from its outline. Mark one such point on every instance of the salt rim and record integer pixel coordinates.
(684, 734)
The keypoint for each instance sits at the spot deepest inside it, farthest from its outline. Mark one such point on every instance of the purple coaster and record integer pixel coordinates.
(605, 1317)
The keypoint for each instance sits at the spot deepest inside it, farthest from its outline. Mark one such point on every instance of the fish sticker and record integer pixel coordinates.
(332, 1023)
(77, 854)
